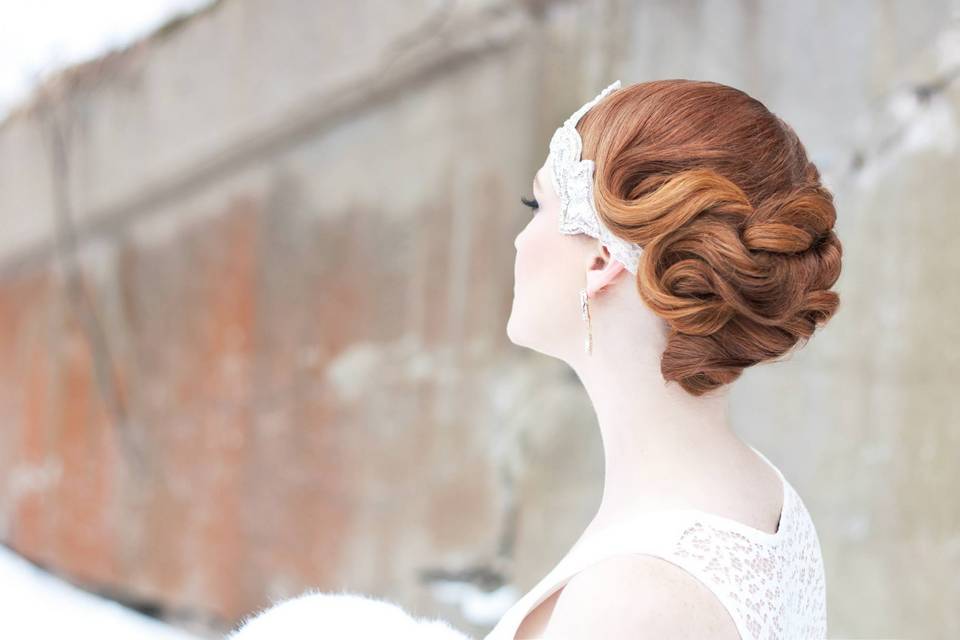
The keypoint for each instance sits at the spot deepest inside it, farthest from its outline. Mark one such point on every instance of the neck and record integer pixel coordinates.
(659, 441)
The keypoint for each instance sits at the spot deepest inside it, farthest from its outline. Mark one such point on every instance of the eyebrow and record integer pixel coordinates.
(536, 179)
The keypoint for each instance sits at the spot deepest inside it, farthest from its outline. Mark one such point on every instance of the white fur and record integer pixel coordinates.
(315, 615)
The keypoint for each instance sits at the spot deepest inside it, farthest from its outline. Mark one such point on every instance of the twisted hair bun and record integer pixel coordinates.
(737, 230)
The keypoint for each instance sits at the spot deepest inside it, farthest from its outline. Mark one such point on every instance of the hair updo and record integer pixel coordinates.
(739, 251)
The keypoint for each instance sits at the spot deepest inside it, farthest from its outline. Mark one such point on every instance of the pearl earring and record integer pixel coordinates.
(585, 312)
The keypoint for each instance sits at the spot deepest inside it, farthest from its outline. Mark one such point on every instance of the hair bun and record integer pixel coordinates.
(739, 253)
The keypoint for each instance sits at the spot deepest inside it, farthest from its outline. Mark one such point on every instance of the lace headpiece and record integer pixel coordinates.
(573, 182)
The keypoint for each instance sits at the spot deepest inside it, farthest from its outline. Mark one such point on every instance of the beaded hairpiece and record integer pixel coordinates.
(573, 182)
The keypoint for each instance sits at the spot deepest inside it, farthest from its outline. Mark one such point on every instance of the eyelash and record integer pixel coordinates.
(533, 204)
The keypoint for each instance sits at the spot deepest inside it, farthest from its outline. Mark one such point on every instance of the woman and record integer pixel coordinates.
(679, 235)
(697, 240)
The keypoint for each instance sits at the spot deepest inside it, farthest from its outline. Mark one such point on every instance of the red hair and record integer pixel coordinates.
(739, 252)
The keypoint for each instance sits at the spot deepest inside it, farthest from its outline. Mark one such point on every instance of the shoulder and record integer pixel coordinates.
(638, 595)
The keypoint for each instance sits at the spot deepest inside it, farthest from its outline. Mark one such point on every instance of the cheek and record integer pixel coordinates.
(532, 250)
(545, 297)
(544, 252)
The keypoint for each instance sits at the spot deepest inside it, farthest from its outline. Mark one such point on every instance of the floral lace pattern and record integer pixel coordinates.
(572, 179)
(772, 584)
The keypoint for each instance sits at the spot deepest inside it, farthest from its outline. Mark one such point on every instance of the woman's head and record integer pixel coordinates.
(739, 252)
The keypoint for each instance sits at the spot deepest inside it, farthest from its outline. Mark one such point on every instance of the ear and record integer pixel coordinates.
(602, 270)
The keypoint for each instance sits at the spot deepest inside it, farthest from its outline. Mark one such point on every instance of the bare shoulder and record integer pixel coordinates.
(638, 595)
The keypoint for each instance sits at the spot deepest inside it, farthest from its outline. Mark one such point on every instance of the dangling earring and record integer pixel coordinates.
(585, 312)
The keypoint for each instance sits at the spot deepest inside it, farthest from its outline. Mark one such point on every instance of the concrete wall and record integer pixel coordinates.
(255, 273)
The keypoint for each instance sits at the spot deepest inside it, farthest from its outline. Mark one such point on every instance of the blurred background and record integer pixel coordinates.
(256, 264)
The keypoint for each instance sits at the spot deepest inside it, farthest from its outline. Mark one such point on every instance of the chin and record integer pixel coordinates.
(509, 332)
(511, 329)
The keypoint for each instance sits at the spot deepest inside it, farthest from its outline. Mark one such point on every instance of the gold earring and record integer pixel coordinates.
(585, 312)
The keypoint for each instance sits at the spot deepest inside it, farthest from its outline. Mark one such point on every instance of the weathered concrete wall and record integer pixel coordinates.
(253, 332)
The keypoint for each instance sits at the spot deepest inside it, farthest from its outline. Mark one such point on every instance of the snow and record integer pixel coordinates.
(40, 606)
(40, 36)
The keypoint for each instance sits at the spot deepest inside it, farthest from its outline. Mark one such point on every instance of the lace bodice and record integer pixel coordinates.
(771, 584)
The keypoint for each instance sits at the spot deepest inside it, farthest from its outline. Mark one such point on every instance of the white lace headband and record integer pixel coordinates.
(573, 182)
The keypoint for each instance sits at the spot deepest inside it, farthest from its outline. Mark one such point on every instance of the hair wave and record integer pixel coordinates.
(739, 252)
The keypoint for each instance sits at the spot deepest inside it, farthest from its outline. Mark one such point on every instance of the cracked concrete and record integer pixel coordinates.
(275, 356)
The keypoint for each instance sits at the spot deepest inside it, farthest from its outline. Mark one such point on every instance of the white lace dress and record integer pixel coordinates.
(771, 584)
